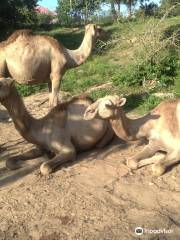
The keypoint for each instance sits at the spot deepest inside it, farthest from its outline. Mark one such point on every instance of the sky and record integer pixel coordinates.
(52, 4)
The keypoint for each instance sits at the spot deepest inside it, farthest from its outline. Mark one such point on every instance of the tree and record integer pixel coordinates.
(63, 10)
(129, 4)
(148, 8)
(166, 5)
(69, 10)
(15, 12)
(115, 13)
(113, 10)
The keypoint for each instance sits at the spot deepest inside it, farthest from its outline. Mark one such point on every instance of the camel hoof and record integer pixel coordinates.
(45, 169)
(158, 170)
(132, 164)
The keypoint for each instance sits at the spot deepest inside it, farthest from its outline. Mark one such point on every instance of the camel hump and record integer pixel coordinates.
(80, 98)
(16, 34)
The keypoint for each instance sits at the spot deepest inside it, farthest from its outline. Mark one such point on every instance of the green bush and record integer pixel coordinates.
(127, 76)
(44, 18)
(25, 90)
(163, 71)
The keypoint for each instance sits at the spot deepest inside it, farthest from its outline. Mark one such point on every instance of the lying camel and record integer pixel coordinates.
(32, 59)
(161, 127)
(62, 132)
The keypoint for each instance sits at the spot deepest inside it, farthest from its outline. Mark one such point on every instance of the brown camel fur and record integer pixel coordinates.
(161, 127)
(62, 132)
(34, 59)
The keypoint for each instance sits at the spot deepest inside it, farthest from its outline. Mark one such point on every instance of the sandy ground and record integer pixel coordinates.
(93, 198)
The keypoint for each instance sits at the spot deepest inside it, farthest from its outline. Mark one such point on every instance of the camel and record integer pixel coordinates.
(35, 59)
(61, 133)
(161, 127)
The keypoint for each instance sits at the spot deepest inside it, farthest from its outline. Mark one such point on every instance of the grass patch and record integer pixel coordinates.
(25, 90)
(146, 103)
(99, 94)
(94, 72)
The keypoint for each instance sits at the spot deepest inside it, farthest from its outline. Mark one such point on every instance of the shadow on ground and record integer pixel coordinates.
(11, 176)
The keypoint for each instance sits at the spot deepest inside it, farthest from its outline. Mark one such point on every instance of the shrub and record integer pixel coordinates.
(25, 90)
(44, 18)
(162, 71)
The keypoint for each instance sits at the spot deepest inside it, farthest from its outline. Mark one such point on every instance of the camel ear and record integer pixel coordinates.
(121, 102)
(90, 113)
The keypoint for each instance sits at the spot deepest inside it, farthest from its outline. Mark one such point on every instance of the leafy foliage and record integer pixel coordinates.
(26, 90)
(162, 72)
(44, 19)
(147, 8)
(15, 12)
(74, 10)
(168, 4)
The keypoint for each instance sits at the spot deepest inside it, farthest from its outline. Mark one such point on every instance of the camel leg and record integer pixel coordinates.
(147, 152)
(54, 89)
(65, 155)
(160, 167)
(13, 162)
(151, 160)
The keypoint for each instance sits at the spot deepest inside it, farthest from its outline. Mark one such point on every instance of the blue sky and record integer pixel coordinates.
(52, 4)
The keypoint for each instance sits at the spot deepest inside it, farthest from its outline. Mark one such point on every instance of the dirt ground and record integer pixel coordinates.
(93, 198)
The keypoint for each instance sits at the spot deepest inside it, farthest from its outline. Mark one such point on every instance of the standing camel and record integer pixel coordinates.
(161, 127)
(34, 59)
(62, 132)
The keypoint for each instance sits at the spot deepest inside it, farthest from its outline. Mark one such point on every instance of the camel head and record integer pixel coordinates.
(5, 87)
(93, 29)
(104, 108)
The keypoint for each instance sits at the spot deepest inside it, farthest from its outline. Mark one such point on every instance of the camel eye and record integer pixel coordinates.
(90, 111)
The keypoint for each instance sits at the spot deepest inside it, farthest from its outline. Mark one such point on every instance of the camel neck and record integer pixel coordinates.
(122, 126)
(79, 56)
(130, 129)
(23, 121)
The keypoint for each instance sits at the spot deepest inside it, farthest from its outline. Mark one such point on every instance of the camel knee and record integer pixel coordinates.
(158, 169)
(131, 163)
